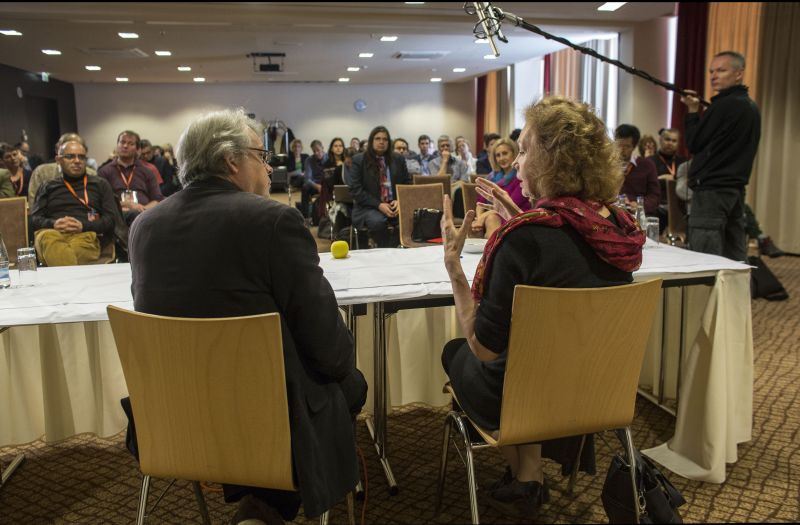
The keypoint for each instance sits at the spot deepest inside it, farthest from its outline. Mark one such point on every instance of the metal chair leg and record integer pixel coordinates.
(630, 452)
(201, 503)
(143, 500)
(573, 476)
(16, 462)
(443, 463)
(323, 518)
(473, 491)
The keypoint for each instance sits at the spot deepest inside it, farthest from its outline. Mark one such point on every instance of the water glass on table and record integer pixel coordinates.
(652, 228)
(26, 265)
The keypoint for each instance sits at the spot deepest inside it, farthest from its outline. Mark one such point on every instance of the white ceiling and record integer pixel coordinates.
(320, 39)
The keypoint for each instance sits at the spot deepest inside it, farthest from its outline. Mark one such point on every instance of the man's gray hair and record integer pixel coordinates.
(206, 142)
(737, 59)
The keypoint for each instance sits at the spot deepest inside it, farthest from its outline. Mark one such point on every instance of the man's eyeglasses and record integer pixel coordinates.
(73, 156)
(264, 155)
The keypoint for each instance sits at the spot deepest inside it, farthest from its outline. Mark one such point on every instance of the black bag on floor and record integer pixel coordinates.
(426, 224)
(661, 498)
(763, 282)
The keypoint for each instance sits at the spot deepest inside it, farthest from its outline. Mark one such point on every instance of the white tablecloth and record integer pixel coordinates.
(61, 375)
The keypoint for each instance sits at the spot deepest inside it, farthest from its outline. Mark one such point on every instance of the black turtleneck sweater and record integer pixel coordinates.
(723, 141)
(54, 200)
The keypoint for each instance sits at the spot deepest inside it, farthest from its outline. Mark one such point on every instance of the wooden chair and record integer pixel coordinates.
(473, 178)
(470, 197)
(14, 225)
(209, 399)
(676, 215)
(409, 198)
(573, 365)
(434, 179)
(342, 195)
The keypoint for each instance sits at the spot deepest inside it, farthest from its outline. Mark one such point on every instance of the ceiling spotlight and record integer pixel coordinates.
(51, 51)
(459, 69)
(93, 68)
(184, 68)
(128, 35)
(611, 6)
(489, 57)
(436, 79)
(365, 55)
(199, 79)
(122, 79)
(10, 32)
(353, 68)
(344, 79)
(164, 53)
(388, 38)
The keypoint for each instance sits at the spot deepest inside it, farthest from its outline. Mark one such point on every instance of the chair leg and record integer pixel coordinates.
(351, 508)
(573, 477)
(630, 452)
(143, 500)
(201, 503)
(323, 518)
(443, 463)
(473, 491)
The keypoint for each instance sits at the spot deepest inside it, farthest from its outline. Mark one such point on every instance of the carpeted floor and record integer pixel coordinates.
(90, 480)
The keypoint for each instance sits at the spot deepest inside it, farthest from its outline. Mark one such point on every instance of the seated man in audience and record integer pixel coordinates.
(667, 161)
(640, 174)
(223, 210)
(400, 146)
(51, 170)
(30, 160)
(426, 155)
(313, 173)
(447, 163)
(146, 154)
(19, 175)
(73, 214)
(484, 166)
(132, 181)
(373, 178)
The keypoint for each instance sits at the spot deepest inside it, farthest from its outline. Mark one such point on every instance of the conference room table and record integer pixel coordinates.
(60, 374)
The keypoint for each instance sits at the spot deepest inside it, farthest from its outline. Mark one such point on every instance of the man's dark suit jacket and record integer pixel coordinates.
(365, 187)
(212, 250)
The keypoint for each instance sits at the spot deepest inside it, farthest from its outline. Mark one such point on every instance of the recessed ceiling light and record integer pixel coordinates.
(128, 35)
(164, 53)
(122, 79)
(354, 69)
(51, 51)
(199, 79)
(388, 38)
(184, 68)
(344, 79)
(10, 32)
(489, 57)
(415, 3)
(611, 6)
(365, 55)
(93, 68)
(459, 69)
(436, 79)
(481, 41)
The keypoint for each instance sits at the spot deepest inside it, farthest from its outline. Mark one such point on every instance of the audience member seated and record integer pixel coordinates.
(18, 174)
(164, 160)
(505, 178)
(447, 163)
(647, 146)
(640, 178)
(426, 155)
(464, 152)
(373, 178)
(400, 146)
(483, 166)
(30, 160)
(295, 163)
(355, 144)
(146, 154)
(667, 161)
(73, 214)
(223, 210)
(573, 239)
(312, 179)
(51, 170)
(132, 181)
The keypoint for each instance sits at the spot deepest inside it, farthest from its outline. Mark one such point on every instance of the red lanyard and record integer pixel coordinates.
(629, 169)
(129, 179)
(670, 168)
(85, 193)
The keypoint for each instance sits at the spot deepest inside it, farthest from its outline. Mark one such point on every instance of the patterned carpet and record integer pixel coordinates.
(91, 480)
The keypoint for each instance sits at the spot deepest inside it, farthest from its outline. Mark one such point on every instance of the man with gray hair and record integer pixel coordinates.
(222, 248)
(724, 142)
(49, 171)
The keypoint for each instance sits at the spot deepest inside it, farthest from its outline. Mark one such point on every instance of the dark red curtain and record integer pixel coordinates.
(690, 57)
(480, 109)
(547, 74)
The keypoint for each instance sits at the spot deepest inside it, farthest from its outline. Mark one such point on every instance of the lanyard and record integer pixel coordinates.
(629, 169)
(85, 193)
(129, 179)
(670, 168)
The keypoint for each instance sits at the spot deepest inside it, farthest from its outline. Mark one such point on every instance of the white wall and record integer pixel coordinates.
(160, 112)
(528, 87)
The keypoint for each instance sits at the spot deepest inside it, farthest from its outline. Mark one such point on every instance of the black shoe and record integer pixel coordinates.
(768, 248)
(253, 511)
(502, 482)
(520, 498)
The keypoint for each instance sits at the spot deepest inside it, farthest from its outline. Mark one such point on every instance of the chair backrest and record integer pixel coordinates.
(469, 195)
(208, 397)
(341, 193)
(676, 212)
(433, 179)
(574, 359)
(474, 178)
(409, 198)
(14, 225)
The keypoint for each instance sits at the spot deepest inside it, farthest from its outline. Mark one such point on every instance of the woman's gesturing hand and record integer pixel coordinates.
(452, 238)
(497, 199)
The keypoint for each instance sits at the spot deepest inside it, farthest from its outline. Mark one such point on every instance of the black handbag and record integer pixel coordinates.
(427, 224)
(660, 498)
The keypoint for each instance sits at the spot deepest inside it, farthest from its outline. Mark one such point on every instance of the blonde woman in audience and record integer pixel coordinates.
(573, 239)
(504, 175)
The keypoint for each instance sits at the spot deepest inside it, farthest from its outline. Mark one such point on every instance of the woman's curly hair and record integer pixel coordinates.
(570, 152)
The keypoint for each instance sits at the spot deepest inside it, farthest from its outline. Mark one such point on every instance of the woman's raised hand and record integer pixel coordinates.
(497, 199)
(452, 238)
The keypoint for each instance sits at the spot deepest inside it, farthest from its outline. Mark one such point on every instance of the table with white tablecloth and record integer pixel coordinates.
(60, 375)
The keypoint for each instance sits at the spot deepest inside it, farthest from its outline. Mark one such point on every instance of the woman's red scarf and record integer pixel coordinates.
(620, 246)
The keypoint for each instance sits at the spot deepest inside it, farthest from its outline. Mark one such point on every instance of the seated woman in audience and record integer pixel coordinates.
(504, 175)
(295, 163)
(647, 146)
(573, 239)
(333, 174)
(18, 174)
(313, 175)
(464, 152)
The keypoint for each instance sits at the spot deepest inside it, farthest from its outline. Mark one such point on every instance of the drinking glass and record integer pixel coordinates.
(652, 229)
(26, 265)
